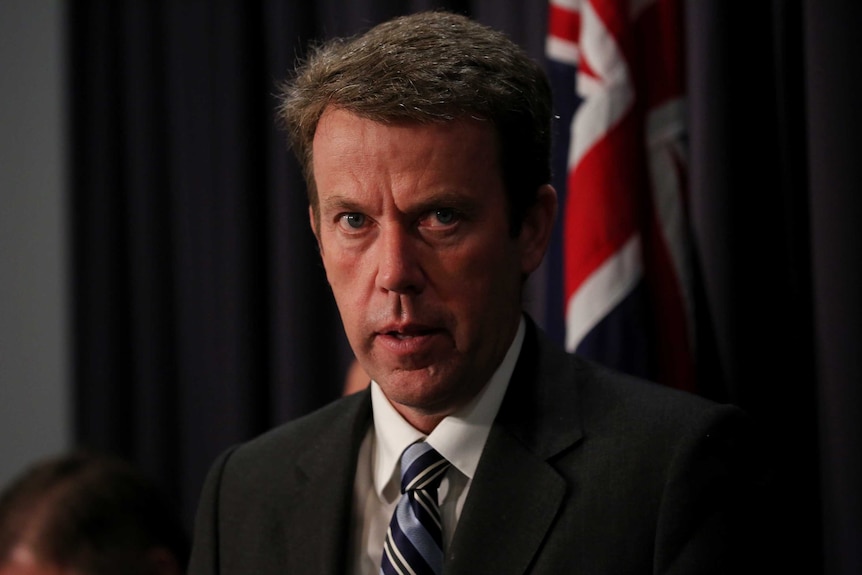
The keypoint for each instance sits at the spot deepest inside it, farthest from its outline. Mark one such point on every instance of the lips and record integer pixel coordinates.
(401, 336)
(406, 332)
(409, 340)
(406, 329)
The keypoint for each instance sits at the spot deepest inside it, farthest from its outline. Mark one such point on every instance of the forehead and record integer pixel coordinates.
(358, 161)
(344, 139)
(336, 116)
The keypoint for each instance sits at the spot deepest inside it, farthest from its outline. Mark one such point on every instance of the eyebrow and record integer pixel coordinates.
(464, 204)
(446, 199)
(341, 204)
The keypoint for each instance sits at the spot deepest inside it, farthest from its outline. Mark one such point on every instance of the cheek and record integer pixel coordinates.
(483, 263)
(346, 275)
(342, 265)
(479, 280)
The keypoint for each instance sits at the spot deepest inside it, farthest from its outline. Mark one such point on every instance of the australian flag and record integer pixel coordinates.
(617, 72)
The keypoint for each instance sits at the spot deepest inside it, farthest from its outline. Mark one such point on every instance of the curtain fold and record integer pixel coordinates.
(834, 128)
(750, 211)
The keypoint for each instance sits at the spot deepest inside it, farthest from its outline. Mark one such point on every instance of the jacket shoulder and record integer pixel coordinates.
(607, 395)
(336, 422)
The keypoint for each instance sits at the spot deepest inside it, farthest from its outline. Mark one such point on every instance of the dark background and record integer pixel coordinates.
(202, 316)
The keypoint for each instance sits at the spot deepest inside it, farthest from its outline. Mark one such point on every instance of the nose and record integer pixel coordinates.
(399, 267)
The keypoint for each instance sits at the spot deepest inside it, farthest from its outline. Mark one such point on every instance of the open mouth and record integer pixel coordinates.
(403, 336)
(397, 335)
(410, 340)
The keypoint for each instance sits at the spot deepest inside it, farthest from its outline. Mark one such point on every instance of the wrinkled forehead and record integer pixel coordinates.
(344, 140)
(343, 129)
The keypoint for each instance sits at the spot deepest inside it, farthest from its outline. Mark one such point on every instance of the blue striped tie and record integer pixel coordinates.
(414, 541)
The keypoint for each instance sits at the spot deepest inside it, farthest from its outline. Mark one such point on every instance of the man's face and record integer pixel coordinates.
(414, 236)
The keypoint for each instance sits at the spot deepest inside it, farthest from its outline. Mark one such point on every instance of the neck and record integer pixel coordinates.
(423, 422)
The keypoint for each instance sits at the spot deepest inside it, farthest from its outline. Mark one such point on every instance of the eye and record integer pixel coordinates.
(445, 216)
(441, 219)
(353, 220)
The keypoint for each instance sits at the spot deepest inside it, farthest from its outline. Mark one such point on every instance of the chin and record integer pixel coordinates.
(426, 393)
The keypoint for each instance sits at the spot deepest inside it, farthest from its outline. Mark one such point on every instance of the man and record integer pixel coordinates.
(425, 145)
(86, 514)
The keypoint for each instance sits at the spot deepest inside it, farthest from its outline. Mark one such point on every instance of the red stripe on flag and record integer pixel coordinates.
(614, 15)
(564, 23)
(659, 66)
(585, 69)
(601, 210)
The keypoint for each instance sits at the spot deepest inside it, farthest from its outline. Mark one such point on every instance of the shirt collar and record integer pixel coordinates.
(460, 437)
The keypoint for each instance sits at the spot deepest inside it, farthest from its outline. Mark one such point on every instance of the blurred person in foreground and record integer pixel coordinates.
(480, 446)
(88, 514)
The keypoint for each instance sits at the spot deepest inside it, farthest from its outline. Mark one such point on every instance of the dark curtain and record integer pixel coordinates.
(202, 315)
(751, 219)
(775, 203)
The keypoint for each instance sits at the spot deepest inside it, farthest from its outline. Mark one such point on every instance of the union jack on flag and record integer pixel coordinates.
(626, 256)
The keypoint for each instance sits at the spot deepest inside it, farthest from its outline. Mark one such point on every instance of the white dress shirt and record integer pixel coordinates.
(460, 438)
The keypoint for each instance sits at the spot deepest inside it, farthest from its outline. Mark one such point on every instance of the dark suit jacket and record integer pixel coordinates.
(585, 471)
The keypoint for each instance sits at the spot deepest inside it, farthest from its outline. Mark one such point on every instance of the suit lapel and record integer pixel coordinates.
(321, 496)
(516, 493)
(512, 503)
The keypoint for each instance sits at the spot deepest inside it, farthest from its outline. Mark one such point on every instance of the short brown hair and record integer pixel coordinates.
(430, 67)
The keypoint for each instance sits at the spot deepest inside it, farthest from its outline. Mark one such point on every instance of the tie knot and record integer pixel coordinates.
(421, 467)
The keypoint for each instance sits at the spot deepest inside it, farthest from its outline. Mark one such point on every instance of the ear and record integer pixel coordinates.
(314, 221)
(537, 228)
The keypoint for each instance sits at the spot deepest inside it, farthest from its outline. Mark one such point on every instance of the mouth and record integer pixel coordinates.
(409, 332)
(410, 339)
(400, 336)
